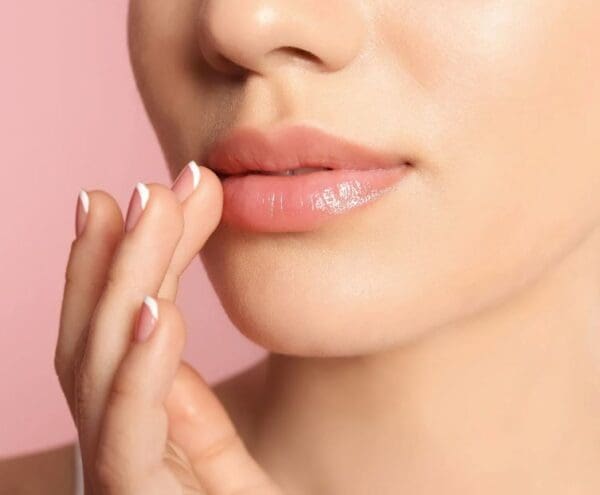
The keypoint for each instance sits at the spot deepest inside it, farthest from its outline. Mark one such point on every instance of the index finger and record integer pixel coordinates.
(201, 214)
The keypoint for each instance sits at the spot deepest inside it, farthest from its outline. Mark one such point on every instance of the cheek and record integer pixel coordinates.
(520, 102)
(513, 77)
(515, 160)
(517, 93)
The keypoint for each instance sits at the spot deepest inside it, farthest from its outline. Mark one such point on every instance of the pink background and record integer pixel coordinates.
(70, 117)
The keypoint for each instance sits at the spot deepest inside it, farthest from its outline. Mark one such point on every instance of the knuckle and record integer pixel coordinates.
(171, 282)
(60, 366)
(122, 281)
(63, 374)
(125, 391)
(77, 280)
(65, 383)
(120, 391)
(109, 469)
(264, 487)
(83, 384)
(69, 267)
(172, 210)
(168, 310)
(226, 443)
(69, 276)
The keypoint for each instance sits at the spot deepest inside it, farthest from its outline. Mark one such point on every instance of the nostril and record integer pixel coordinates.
(229, 66)
(297, 54)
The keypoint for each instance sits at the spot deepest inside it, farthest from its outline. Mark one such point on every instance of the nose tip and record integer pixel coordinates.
(259, 35)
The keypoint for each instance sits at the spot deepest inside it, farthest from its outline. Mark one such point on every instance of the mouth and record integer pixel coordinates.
(285, 173)
(297, 178)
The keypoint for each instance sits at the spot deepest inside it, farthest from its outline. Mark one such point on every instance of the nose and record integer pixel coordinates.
(237, 36)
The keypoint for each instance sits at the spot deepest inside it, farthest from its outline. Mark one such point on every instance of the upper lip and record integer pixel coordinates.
(247, 149)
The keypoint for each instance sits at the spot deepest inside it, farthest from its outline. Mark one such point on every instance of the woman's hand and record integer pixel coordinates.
(147, 423)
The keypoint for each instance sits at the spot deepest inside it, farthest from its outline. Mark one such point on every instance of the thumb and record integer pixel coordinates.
(200, 426)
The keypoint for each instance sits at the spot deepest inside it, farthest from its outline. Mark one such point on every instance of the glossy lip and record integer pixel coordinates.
(262, 202)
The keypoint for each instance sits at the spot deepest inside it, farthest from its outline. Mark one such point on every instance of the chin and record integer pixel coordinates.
(304, 296)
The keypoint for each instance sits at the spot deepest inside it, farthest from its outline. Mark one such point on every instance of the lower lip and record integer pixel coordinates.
(277, 203)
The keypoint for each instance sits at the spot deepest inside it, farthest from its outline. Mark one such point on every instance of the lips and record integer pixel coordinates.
(296, 171)
(247, 149)
(297, 178)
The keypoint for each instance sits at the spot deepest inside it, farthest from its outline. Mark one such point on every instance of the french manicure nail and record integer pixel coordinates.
(147, 319)
(137, 204)
(187, 181)
(83, 208)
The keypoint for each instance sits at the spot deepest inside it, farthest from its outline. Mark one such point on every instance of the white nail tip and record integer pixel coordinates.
(144, 193)
(85, 200)
(152, 305)
(195, 173)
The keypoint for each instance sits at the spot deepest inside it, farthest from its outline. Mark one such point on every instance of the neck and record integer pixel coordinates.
(504, 402)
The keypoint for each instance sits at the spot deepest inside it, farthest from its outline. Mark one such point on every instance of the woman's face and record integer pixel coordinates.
(498, 101)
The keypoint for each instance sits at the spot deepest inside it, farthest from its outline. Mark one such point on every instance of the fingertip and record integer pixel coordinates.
(164, 194)
(212, 189)
(187, 181)
(163, 206)
(202, 212)
(150, 365)
(100, 232)
(147, 319)
(83, 208)
(103, 216)
(161, 320)
(152, 306)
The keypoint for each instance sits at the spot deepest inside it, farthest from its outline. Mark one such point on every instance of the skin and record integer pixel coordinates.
(147, 423)
(457, 315)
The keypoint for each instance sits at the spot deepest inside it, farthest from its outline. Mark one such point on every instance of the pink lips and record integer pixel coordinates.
(277, 203)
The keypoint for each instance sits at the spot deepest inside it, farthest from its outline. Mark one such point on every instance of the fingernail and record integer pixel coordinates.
(187, 181)
(137, 204)
(83, 208)
(147, 319)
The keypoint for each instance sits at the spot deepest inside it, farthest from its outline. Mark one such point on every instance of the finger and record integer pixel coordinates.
(134, 430)
(199, 424)
(155, 224)
(89, 259)
(201, 193)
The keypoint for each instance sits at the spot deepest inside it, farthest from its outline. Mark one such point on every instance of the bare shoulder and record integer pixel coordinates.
(241, 395)
(49, 471)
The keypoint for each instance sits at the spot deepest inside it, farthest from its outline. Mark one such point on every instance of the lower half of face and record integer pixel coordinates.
(497, 101)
